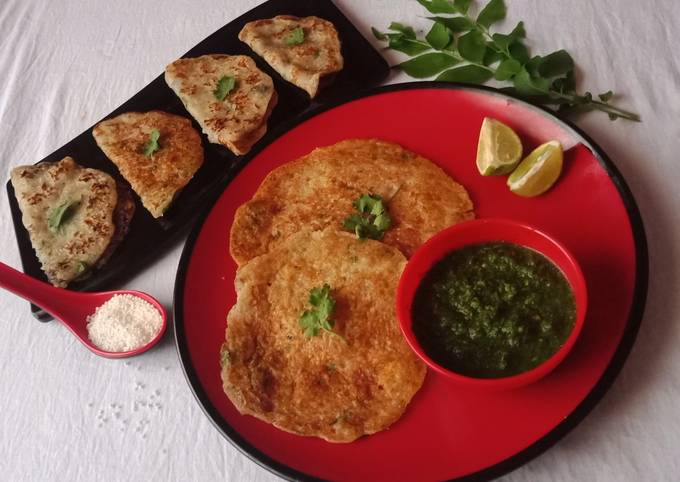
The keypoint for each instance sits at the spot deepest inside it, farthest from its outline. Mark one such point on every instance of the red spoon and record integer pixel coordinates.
(72, 307)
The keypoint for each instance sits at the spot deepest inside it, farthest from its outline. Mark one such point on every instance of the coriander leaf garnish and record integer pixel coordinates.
(60, 215)
(225, 356)
(224, 86)
(318, 318)
(295, 37)
(373, 219)
(81, 267)
(461, 48)
(152, 145)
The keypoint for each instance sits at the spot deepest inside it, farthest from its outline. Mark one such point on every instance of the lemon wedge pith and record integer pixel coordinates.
(538, 171)
(499, 148)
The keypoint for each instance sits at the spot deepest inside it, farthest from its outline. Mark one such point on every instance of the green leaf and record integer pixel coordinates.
(491, 57)
(325, 324)
(225, 356)
(455, 24)
(408, 32)
(152, 145)
(556, 64)
(503, 41)
(382, 222)
(472, 46)
(607, 96)
(471, 74)
(373, 219)
(309, 323)
(507, 69)
(527, 85)
(377, 208)
(493, 12)
(378, 34)
(546, 80)
(223, 87)
(59, 216)
(532, 65)
(367, 203)
(518, 32)
(438, 36)
(317, 296)
(428, 65)
(519, 52)
(437, 6)
(566, 84)
(462, 5)
(318, 318)
(81, 267)
(408, 46)
(355, 224)
(295, 37)
(364, 203)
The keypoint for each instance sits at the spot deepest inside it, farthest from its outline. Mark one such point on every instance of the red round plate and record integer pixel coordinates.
(448, 431)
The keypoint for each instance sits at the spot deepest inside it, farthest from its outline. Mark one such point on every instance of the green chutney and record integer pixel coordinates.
(493, 310)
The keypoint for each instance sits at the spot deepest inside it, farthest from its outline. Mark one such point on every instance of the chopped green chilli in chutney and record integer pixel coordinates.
(493, 310)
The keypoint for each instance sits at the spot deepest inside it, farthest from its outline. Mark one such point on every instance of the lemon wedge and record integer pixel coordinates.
(499, 148)
(538, 171)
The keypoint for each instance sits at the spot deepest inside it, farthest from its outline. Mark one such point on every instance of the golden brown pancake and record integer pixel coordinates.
(240, 119)
(320, 386)
(305, 62)
(317, 191)
(159, 177)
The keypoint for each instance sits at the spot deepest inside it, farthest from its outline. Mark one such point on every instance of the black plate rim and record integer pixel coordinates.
(538, 447)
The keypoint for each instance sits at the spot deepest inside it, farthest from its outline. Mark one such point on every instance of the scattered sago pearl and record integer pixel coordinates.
(125, 322)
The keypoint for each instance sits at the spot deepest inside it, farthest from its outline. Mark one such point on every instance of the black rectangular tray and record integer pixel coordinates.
(149, 238)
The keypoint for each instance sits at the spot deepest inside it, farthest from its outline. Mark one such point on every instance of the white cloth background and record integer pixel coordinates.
(66, 63)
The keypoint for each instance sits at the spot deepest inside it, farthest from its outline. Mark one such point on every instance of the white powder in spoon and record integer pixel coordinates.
(125, 322)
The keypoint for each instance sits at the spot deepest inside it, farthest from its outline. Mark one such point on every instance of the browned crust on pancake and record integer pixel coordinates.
(308, 65)
(122, 217)
(320, 386)
(83, 240)
(236, 122)
(158, 178)
(317, 190)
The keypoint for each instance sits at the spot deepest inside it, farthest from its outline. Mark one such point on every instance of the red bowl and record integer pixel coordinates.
(483, 231)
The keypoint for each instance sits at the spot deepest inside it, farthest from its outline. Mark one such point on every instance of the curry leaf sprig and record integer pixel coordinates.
(462, 48)
(372, 219)
(318, 318)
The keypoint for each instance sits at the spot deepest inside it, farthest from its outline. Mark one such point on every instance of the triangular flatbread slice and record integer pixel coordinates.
(304, 51)
(156, 172)
(74, 216)
(227, 95)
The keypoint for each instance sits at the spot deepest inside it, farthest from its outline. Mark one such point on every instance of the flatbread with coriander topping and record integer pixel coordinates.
(236, 121)
(317, 191)
(304, 51)
(158, 177)
(334, 387)
(75, 216)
